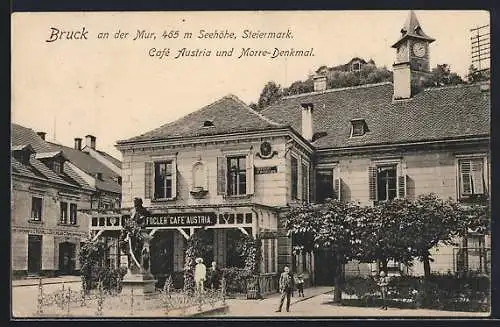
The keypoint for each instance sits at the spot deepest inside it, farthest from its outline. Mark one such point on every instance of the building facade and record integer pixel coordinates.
(52, 188)
(232, 171)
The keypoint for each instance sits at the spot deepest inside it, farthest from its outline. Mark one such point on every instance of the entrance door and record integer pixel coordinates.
(324, 267)
(66, 258)
(162, 254)
(34, 254)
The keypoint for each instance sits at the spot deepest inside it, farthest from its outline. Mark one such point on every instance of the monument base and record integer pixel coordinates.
(143, 285)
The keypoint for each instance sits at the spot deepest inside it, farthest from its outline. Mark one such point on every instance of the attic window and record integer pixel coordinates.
(98, 176)
(208, 123)
(358, 127)
(356, 67)
(56, 167)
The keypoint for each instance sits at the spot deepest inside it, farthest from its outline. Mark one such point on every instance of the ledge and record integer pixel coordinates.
(36, 222)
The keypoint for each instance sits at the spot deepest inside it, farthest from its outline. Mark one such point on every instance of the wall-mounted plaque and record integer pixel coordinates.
(266, 170)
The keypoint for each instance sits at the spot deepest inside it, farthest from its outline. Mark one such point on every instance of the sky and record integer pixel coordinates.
(113, 89)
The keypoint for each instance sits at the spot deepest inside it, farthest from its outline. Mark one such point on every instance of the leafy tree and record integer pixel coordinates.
(476, 75)
(333, 225)
(270, 94)
(299, 87)
(442, 75)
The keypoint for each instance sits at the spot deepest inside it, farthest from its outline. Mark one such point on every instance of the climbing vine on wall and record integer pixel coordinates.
(195, 248)
(251, 252)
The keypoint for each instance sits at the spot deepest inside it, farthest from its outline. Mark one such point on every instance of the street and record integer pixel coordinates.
(316, 303)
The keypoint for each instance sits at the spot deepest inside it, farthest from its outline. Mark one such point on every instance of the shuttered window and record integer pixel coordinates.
(471, 177)
(385, 183)
(324, 184)
(160, 180)
(305, 182)
(235, 175)
(64, 213)
(294, 178)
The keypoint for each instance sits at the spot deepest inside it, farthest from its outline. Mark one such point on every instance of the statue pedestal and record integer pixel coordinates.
(143, 285)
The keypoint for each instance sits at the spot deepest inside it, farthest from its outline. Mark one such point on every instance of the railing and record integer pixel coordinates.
(268, 283)
(67, 302)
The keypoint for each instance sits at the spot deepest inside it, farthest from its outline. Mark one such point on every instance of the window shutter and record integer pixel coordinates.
(148, 180)
(477, 176)
(174, 178)
(221, 175)
(250, 174)
(372, 182)
(402, 186)
(465, 178)
(338, 188)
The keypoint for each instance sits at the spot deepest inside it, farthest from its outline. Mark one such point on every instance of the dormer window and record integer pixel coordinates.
(356, 67)
(358, 127)
(98, 176)
(208, 123)
(57, 167)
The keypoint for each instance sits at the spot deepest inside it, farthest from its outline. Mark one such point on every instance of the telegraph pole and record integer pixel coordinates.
(480, 47)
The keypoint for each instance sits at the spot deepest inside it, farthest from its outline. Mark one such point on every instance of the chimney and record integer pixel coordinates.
(307, 122)
(319, 83)
(90, 141)
(78, 143)
(42, 135)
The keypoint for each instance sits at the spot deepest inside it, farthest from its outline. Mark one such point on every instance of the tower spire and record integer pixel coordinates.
(412, 28)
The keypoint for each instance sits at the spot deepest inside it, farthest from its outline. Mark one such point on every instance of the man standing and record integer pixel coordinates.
(286, 288)
(213, 276)
(200, 274)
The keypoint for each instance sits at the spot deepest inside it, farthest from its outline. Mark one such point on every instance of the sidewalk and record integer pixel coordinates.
(243, 307)
(46, 281)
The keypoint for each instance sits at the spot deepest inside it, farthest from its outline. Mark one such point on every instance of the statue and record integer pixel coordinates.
(137, 218)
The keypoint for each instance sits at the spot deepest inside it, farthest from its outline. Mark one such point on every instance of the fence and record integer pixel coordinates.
(98, 302)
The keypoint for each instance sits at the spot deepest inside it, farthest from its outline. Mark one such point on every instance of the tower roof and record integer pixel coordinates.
(413, 29)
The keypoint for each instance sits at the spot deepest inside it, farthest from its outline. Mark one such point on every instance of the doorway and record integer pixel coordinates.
(66, 258)
(34, 254)
(162, 254)
(324, 267)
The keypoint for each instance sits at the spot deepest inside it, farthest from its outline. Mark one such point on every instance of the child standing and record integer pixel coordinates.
(300, 285)
(383, 282)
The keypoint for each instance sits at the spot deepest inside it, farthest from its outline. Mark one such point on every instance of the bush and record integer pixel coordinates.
(236, 279)
(360, 286)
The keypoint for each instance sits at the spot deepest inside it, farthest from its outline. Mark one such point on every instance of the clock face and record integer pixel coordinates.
(265, 148)
(402, 53)
(419, 49)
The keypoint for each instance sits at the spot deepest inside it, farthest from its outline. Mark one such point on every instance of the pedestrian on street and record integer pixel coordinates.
(383, 282)
(286, 287)
(200, 274)
(214, 275)
(300, 285)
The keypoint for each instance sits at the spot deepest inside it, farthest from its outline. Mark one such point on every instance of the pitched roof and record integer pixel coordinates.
(115, 161)
(228, 115)
(52, 154)
(412, 28)
(433, 114)
(91, 166)
(21, 135)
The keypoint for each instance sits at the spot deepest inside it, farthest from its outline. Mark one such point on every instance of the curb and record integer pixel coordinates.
(222, 309)
(309, 297)
(46, 283)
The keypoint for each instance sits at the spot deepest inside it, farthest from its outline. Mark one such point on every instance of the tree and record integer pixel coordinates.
(385, 237)
(476, 75)
(332, 225)
(442, 76)
(431, 221)
(270, 94)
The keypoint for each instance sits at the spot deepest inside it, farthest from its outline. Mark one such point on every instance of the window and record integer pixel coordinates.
(386, 182)
(163, 180)
(295, 178)
(64, 213)
(358, 127)
(98, 176)
(305, 182)
(36, 209)
(236, 175)
(72, 213)
(471, 174)
(208, 123)
(356, 67)
(56, 166)
(324, 184)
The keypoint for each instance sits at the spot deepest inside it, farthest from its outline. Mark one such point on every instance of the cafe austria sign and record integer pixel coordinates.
(181, 219)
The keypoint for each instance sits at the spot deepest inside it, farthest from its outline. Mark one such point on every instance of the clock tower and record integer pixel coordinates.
(412, 65)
